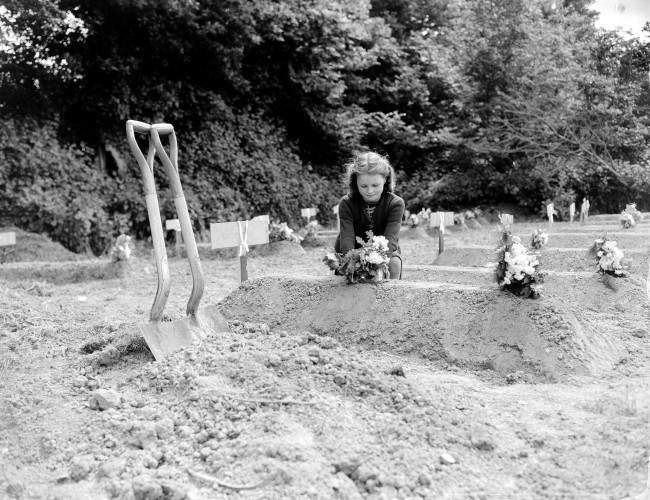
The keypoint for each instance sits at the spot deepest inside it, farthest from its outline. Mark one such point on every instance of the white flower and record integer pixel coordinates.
(375, 258)
(380, 243)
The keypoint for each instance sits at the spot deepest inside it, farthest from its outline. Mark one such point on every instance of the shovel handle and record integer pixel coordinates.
(170, 162)
(155, 223)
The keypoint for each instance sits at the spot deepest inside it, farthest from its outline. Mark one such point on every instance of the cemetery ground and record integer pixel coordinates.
(437, 386)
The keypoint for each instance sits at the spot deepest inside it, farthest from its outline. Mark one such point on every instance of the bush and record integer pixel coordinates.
(235, 168)
(50, 188)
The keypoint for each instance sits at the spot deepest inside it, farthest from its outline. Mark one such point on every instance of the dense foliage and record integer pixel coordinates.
(474, 101)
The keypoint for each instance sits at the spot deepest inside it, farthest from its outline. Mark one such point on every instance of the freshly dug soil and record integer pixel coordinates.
(65, 272)
(266, 413)
(479, 329)
(410, 233)
(35, 247)
(282, 248)
(551, 259)
(625, 240)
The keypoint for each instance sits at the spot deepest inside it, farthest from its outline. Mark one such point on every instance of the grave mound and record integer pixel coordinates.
(282, 248)
(496, 335)
(64, 272)
(551, 259)
(36, 247)
(411, 233)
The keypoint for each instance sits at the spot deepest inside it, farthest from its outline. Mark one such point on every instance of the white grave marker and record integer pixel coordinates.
(308, 212)
(572, 211)
(584, 210)
(550, 210)
(440, 220)
(240, 234)
(7, 239)
(175, 225)
(507, 219)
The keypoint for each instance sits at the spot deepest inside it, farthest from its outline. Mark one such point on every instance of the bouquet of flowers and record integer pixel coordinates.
(633, 211)
(366, 264)
(121, 250)
(627, 220)
(516, 270)
(281, 231)
(609, 258)
(539, 239)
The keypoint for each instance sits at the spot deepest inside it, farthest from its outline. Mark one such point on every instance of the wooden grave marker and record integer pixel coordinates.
(175, 225)
(584, 211)
(242, 234)
(335, 211)
(308, 213)
(507, 219)
(440, 220)
(550, 210)
(7, 239)
(572, 212)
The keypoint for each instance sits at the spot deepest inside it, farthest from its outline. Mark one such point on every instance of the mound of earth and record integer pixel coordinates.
(409, 233)
(475, 328)
(282, 248)
(556, 259)
(36, 247)
(60, 273)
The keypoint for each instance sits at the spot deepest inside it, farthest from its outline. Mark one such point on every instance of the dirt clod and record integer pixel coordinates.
(103, 399)
(146, 488)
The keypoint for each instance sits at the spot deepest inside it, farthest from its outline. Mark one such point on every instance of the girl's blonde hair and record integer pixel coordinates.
(369, 163)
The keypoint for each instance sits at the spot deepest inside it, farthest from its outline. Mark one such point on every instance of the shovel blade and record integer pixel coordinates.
(166, 338)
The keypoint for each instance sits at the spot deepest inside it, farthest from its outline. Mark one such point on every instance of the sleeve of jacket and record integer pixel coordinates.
(346, 226)
(394, 223)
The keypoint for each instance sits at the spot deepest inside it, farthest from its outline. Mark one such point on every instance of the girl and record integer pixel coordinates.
(371, 206)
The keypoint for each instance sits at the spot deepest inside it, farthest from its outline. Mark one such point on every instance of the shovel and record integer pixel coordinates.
(164, 338)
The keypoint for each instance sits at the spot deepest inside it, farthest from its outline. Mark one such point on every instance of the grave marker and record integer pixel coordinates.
(507, 219)
(7, 240)
(240, 234)
(440, 220)
(308, 213)
(550, 210)
(335, 211)
(175, 225)
(584, 211)
(572, 211)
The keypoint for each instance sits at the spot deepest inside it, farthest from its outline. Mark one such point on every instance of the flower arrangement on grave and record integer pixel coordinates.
(609, 258)
(516, 270)
(634, 212)
(539, 239)
(473, 213)
(281, 231)
(627, 220)
(121, 249)
(362, 265)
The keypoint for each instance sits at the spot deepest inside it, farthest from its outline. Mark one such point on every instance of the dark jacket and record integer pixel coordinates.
(386, 221)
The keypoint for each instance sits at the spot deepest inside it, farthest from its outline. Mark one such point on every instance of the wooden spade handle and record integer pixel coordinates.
(170, 162)
(151, 199)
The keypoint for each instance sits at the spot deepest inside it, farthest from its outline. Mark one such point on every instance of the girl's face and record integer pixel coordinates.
(371, 186)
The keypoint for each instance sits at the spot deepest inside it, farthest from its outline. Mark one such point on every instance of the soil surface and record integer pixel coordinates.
(438, 386)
